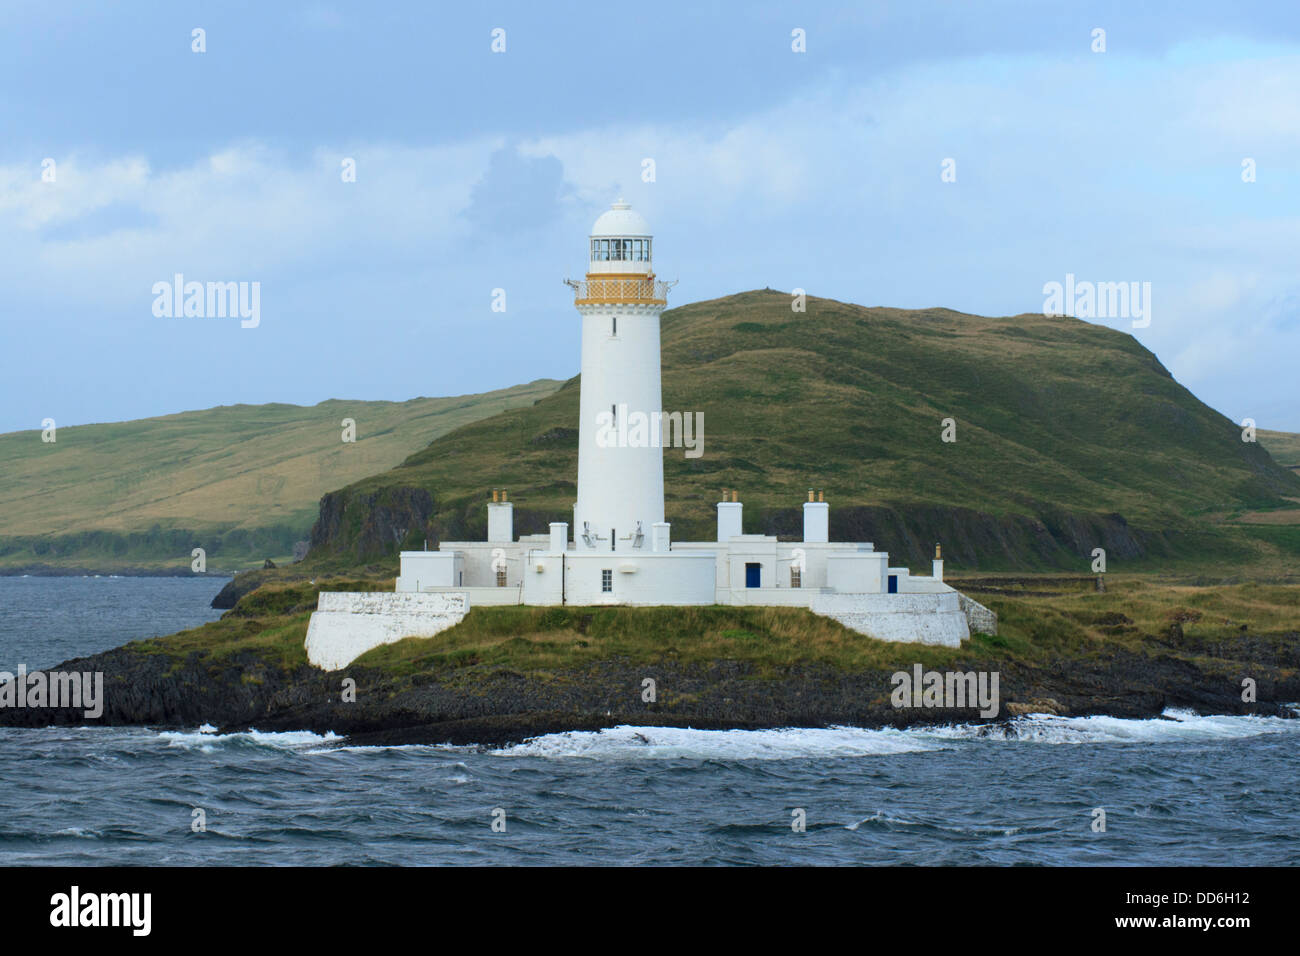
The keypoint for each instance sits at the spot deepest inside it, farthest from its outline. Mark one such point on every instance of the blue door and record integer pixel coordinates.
(893, 584)
(753, 575)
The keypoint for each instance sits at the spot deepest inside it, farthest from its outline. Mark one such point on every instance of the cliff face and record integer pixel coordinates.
(372, 525)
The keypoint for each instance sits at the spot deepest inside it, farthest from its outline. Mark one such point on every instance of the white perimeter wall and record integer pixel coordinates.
(346, 624)
(907, 618)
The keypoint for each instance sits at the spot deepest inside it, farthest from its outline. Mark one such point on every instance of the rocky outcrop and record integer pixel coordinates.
(477, 704)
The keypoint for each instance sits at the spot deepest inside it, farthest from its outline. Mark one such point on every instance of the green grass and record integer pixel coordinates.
(242, 481)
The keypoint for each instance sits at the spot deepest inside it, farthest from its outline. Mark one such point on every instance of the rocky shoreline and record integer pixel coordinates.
(493, 706)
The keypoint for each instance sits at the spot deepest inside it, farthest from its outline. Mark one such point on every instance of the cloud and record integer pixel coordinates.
(1113, 167)
(517, 193)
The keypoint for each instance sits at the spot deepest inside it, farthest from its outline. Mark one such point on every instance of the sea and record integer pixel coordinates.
(1180, 789)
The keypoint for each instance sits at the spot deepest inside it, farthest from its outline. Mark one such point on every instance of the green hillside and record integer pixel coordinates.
(1283, 446)
(241, 481)
(1069, 435)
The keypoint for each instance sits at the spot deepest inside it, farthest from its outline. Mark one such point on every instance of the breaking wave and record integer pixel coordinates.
(204, 740)
(629, 742)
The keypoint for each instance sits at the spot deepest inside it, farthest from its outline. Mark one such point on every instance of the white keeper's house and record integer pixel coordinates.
(619, 549)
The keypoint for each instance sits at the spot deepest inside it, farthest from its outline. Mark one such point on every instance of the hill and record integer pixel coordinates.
(241, 481)
(1069, 436)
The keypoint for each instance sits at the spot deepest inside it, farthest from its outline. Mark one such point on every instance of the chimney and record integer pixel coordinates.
(559, 537)
(501, 519)
(816, 520)
(659, 539)
(937, 571)
(729, 517)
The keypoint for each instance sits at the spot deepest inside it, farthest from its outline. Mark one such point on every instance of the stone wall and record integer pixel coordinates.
(978, 617)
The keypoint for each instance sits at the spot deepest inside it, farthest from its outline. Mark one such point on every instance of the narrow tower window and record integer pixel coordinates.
(613, 325)
(607, 580)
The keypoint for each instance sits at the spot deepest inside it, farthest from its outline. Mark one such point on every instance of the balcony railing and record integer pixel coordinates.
(611, 291)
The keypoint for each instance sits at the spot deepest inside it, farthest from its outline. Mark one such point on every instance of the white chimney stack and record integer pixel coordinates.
(501, 519)
(729, 517)
(937, 567)
(816, 520)
(559, 537)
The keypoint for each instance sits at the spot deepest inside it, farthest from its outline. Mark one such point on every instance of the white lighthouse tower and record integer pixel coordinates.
(620, 504)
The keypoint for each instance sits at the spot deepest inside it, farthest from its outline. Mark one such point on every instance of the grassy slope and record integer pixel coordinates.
(246, 477)
(1283, 446)
(1060, 425)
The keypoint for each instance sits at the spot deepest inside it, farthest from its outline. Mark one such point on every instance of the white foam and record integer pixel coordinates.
(1172, 726)
(687, 743)
(635, 743)
(206, 741)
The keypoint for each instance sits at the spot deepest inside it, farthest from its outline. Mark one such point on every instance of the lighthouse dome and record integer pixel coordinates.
(620, 220)
(620, 242)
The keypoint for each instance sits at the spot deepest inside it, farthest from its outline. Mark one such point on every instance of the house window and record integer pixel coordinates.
(796, 578)
(501, 577)
(607, 580)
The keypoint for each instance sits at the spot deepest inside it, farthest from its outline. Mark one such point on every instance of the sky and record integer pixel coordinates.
(478, 170)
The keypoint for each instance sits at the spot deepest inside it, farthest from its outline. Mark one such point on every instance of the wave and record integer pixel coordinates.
(684, 742)
(630, 742)
(1173, 726)
(204, 740)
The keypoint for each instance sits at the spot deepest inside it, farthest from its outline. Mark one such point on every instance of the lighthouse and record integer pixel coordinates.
(619, 550)
(620, 503)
